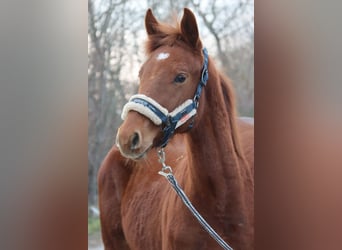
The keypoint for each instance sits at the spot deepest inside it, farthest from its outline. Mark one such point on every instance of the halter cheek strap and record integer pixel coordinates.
(160, 115)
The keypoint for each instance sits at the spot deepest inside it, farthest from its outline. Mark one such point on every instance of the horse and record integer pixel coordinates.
(211, 153)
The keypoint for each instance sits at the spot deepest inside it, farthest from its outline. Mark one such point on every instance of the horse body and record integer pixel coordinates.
(213, 162)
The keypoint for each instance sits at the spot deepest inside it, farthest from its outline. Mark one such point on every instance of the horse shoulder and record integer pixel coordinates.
(113, 176)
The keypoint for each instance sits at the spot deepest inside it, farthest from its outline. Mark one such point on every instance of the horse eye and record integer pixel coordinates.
(180, 78)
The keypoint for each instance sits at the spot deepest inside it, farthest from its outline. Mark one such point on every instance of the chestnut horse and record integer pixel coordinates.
(211, 154)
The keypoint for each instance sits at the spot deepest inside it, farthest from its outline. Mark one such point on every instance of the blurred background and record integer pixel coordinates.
(116, 36)
(48, 53)
(44, 50)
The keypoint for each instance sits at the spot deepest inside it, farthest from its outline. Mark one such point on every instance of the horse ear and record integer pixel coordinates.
(151, 23)
(189, 28)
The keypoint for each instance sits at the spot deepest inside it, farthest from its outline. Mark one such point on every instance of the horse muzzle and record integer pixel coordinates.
(135, 136)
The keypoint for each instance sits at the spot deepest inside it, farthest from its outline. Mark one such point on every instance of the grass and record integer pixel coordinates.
(93, 225)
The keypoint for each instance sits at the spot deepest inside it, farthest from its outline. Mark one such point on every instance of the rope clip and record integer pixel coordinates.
(166, 170)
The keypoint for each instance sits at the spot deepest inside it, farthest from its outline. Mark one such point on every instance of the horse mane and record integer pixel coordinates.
(229, 99)
(169, 35)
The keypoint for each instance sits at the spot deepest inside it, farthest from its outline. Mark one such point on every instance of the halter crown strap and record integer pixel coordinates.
(160, 115)
(204, 77)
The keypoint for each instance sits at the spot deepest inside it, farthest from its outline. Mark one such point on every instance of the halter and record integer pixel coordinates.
(159, 115)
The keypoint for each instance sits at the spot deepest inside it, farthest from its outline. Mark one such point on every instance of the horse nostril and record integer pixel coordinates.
(135, 139)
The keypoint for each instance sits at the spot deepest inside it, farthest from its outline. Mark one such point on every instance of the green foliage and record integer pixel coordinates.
(93, 225)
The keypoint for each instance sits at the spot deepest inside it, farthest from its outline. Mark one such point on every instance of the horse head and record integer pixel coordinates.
(169, 80)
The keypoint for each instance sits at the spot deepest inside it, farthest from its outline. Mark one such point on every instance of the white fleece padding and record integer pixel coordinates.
(185, 118)
(150, 100)
(142, 110)
(180, 107)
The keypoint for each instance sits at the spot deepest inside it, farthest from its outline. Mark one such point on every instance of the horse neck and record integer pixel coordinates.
(214, 161)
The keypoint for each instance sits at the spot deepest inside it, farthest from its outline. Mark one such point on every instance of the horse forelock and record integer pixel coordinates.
(169, 35)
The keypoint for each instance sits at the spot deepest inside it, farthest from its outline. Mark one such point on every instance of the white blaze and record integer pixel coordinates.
(162, 56)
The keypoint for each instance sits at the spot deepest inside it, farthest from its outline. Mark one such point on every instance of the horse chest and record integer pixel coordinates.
(154, 217)
(140, 212)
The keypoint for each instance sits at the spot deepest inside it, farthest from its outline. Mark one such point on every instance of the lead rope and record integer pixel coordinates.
(166, 171)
